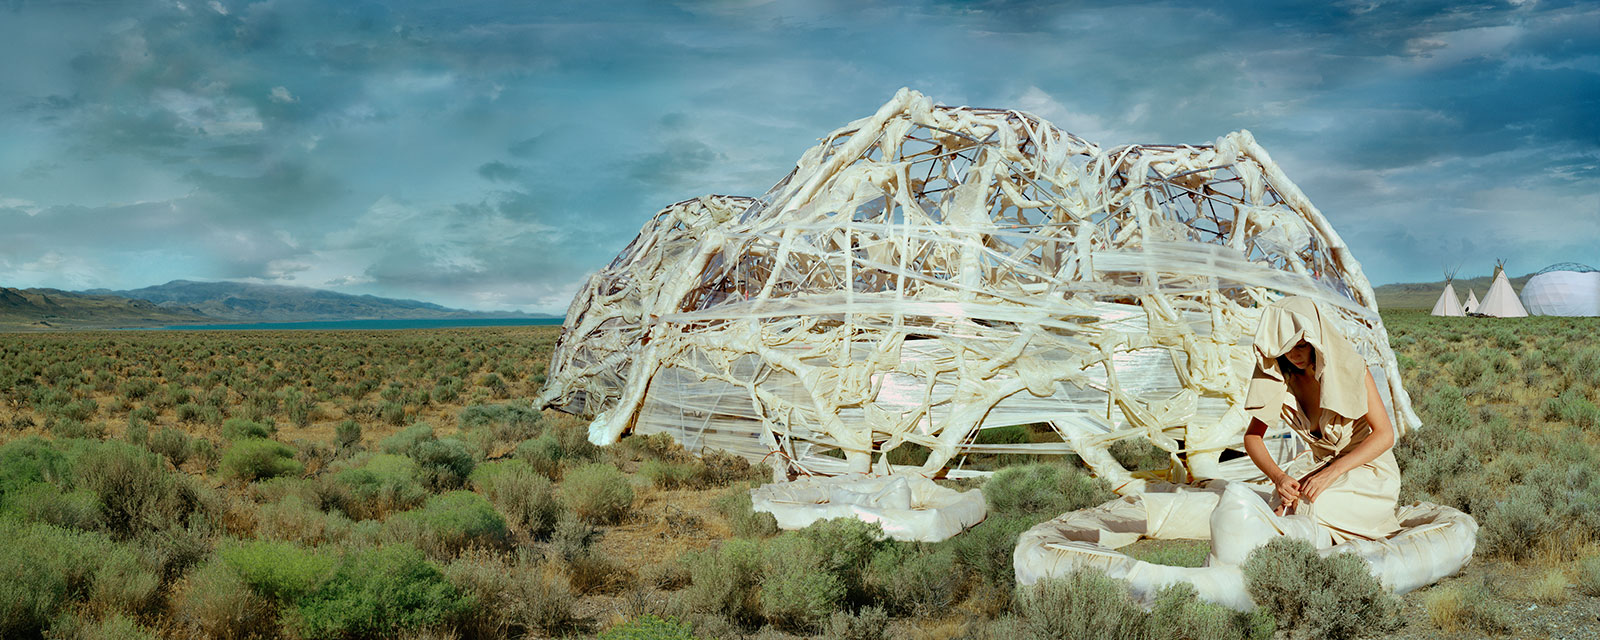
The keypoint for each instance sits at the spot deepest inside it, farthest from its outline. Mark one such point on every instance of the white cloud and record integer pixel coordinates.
(281, 95)
(1088, 126)
(215, 116)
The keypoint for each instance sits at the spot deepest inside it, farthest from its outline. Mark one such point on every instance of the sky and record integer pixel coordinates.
(491, 155)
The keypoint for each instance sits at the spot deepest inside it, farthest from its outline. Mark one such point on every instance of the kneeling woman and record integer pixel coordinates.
(1308, 375)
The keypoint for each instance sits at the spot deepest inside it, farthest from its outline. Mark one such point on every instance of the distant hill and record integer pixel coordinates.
(244, 302)
(1422, 295)
(42, 309)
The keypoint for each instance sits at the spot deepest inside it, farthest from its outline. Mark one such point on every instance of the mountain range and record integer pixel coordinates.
(190, 302)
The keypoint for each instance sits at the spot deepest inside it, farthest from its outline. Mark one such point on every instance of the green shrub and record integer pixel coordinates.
(31, 460)
(1316, 597)
(1589, 576)
(510, 599)
(347, 434)
(113, 627)
(380, 484)
(241, 429)
(504, 422)
(63, 428)
(724, 580)
(524, 497)
(134, 490)
(448, 524)
(1455, 608)
(987, 548)
(846, 546)
(650, 627)
(868, 623)
(668, 475)
(1083, 604)
(918, 580)
(393, 413)
(379, 591)
(1180, 614)
(280, 571)
(544, 454)
(718, 468)
(45, 568)
(736, 506)
(1051, 489)
(255, 458)
(172, 443)
(137, 433)
(1139, 454)
(798, 591)
(47, 503)
(125, 581)
(190, 412)
(291, 519)
(1517, 525)
(401, 443)
(597, 493)
(442, 464)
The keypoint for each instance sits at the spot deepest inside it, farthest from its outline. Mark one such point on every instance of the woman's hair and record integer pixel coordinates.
(1287, 367)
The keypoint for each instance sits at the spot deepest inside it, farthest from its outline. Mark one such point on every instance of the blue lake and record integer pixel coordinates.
(369, 325)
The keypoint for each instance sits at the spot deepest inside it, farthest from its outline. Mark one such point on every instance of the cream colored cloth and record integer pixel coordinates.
(1361, 503)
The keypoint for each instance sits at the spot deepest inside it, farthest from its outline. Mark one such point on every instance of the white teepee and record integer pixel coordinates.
(1472, 302)
(1501, 301)
(1448, 304)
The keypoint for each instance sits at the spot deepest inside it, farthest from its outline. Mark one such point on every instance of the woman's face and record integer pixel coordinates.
(1300, 355)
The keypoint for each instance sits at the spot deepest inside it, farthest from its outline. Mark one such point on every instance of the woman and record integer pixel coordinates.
(1309, 376)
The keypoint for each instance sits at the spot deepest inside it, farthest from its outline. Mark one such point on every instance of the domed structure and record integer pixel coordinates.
(1563, 289)
(931, 271)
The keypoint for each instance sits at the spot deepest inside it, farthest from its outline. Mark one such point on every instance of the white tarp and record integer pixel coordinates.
(908, 507)
(1434, 541)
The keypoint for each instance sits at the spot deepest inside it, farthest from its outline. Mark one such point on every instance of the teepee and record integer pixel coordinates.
(1448, 304)
(1472, 302)
(1501, 301)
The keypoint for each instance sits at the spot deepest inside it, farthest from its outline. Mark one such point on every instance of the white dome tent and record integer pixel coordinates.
(1472, 302)
(930, 271)
(1563, 289)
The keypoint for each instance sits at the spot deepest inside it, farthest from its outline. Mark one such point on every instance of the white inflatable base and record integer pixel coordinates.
(907, 507)
(1434, 541)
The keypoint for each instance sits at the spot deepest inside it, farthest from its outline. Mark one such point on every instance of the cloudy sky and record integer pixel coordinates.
(489, 155)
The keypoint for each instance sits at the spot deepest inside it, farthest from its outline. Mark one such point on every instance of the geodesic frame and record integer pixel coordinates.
(931, 271)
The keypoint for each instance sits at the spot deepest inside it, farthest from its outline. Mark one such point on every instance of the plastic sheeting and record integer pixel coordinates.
(928, 272)
(907, 507)
(1435, 541)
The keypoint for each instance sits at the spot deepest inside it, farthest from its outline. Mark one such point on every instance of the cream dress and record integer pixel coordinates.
(1359, 504)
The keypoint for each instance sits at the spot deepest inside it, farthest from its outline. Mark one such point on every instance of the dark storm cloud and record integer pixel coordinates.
(345, 144)
(499, 171)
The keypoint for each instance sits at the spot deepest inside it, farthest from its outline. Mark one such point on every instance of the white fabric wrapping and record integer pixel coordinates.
(1434, 541)
(907, 507)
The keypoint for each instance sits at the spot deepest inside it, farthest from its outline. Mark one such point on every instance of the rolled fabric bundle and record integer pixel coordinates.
(1434, 541)
(908, 507)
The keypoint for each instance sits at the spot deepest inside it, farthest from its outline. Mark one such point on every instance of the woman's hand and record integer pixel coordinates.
(1313, 485)
(1288, 494)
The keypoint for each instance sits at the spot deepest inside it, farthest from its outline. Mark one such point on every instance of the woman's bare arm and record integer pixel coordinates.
(1288, 488)
(1377, 442)
(1257, 450)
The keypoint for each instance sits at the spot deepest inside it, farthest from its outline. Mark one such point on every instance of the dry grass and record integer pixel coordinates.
(1551, 589)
